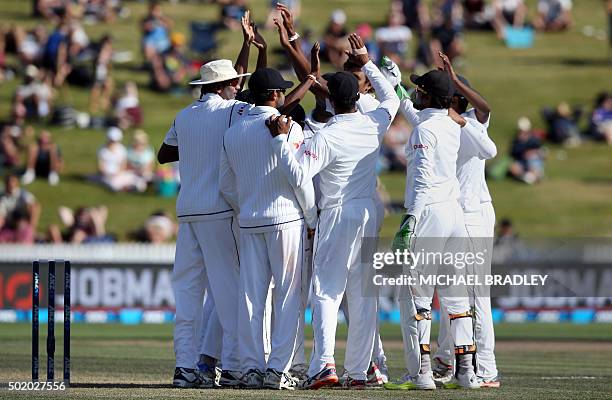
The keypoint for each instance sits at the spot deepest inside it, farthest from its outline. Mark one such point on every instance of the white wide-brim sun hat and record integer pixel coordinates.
(217, 71)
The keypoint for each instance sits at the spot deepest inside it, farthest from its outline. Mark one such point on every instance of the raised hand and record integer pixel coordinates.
(247, 28)
(287, 18)
(258, 40)
(448, 66)
(282, 33)
(315, 63)
(359, 52)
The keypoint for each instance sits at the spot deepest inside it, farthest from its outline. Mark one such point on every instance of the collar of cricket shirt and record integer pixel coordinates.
(343, 117)
(432, 112)
(209, 97)
(258, 110)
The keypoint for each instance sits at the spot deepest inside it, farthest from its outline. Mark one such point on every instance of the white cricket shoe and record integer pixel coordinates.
(420, 382)
(279, 380)
(384, 370)
(468, 380)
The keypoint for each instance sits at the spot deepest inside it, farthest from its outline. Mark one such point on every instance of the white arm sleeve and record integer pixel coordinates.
(410, 113)
(317, 155)
(171, 138)
(389, 102)
(305, 194)
(477, 138)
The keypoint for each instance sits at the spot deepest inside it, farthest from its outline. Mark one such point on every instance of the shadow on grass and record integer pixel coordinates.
(120, 385)
(564, 61)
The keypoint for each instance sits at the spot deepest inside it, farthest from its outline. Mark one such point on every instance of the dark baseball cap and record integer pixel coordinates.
(343, 86)
(436, 83)
(266, 79)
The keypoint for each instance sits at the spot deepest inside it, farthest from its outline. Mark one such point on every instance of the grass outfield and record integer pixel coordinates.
(543, 361)
(567, 66)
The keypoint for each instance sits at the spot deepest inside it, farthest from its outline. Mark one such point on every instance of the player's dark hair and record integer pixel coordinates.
(344, 105)
(213, 87)
(462, 104)
(262, 97)
(440, 102)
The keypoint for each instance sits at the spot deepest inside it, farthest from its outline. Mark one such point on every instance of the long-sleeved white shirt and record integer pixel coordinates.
(431, 155)
(345, 151)
(476, 147)
(251, 181)
(198, 132)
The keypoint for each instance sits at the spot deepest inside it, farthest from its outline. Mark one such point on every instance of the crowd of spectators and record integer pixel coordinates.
(60, 53)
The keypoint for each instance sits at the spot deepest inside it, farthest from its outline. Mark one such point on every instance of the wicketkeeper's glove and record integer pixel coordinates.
(392, 73)
(404, 238)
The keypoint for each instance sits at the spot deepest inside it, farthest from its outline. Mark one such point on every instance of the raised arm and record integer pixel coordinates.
(476, 100)
(389, 102)
(262, 47)
(292, 99)
(242, 62)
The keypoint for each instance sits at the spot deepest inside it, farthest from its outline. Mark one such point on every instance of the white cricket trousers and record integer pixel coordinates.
(211, 331)
(278, 255)
(339, 268)
(439, 229)
(480, 226)
(205, 248)
(299, 355)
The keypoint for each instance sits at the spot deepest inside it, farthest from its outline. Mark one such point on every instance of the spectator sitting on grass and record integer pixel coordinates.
(158, 228)
(85, 225)
(140, 156)
(600, 125)
(44, 160)
(393, 39)
(112, 165)
(19, 213)
(9, 147)
(553, 15)
(478, 15)
(155, 32)
(527, 155)
(30, 44)
(102, 80)
(169, 69)
(563, 125)
(393, 148)
(33, 98)
(508, 12)
(231, 14)
(335, 40)
(127, 111)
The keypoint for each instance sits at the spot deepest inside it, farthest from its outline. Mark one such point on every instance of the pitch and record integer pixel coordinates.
(537, 361)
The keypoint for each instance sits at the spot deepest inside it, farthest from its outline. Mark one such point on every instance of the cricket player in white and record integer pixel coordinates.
(475, 148)
(272, 232)
(435, 217)
(344, 155)
(205, 237)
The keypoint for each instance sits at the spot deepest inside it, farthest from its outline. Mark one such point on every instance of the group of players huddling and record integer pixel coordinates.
(274, 208)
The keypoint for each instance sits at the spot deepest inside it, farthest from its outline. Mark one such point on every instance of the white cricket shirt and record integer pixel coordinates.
(251, 181)
(198, 132)
(345, 151)
(431, 155)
